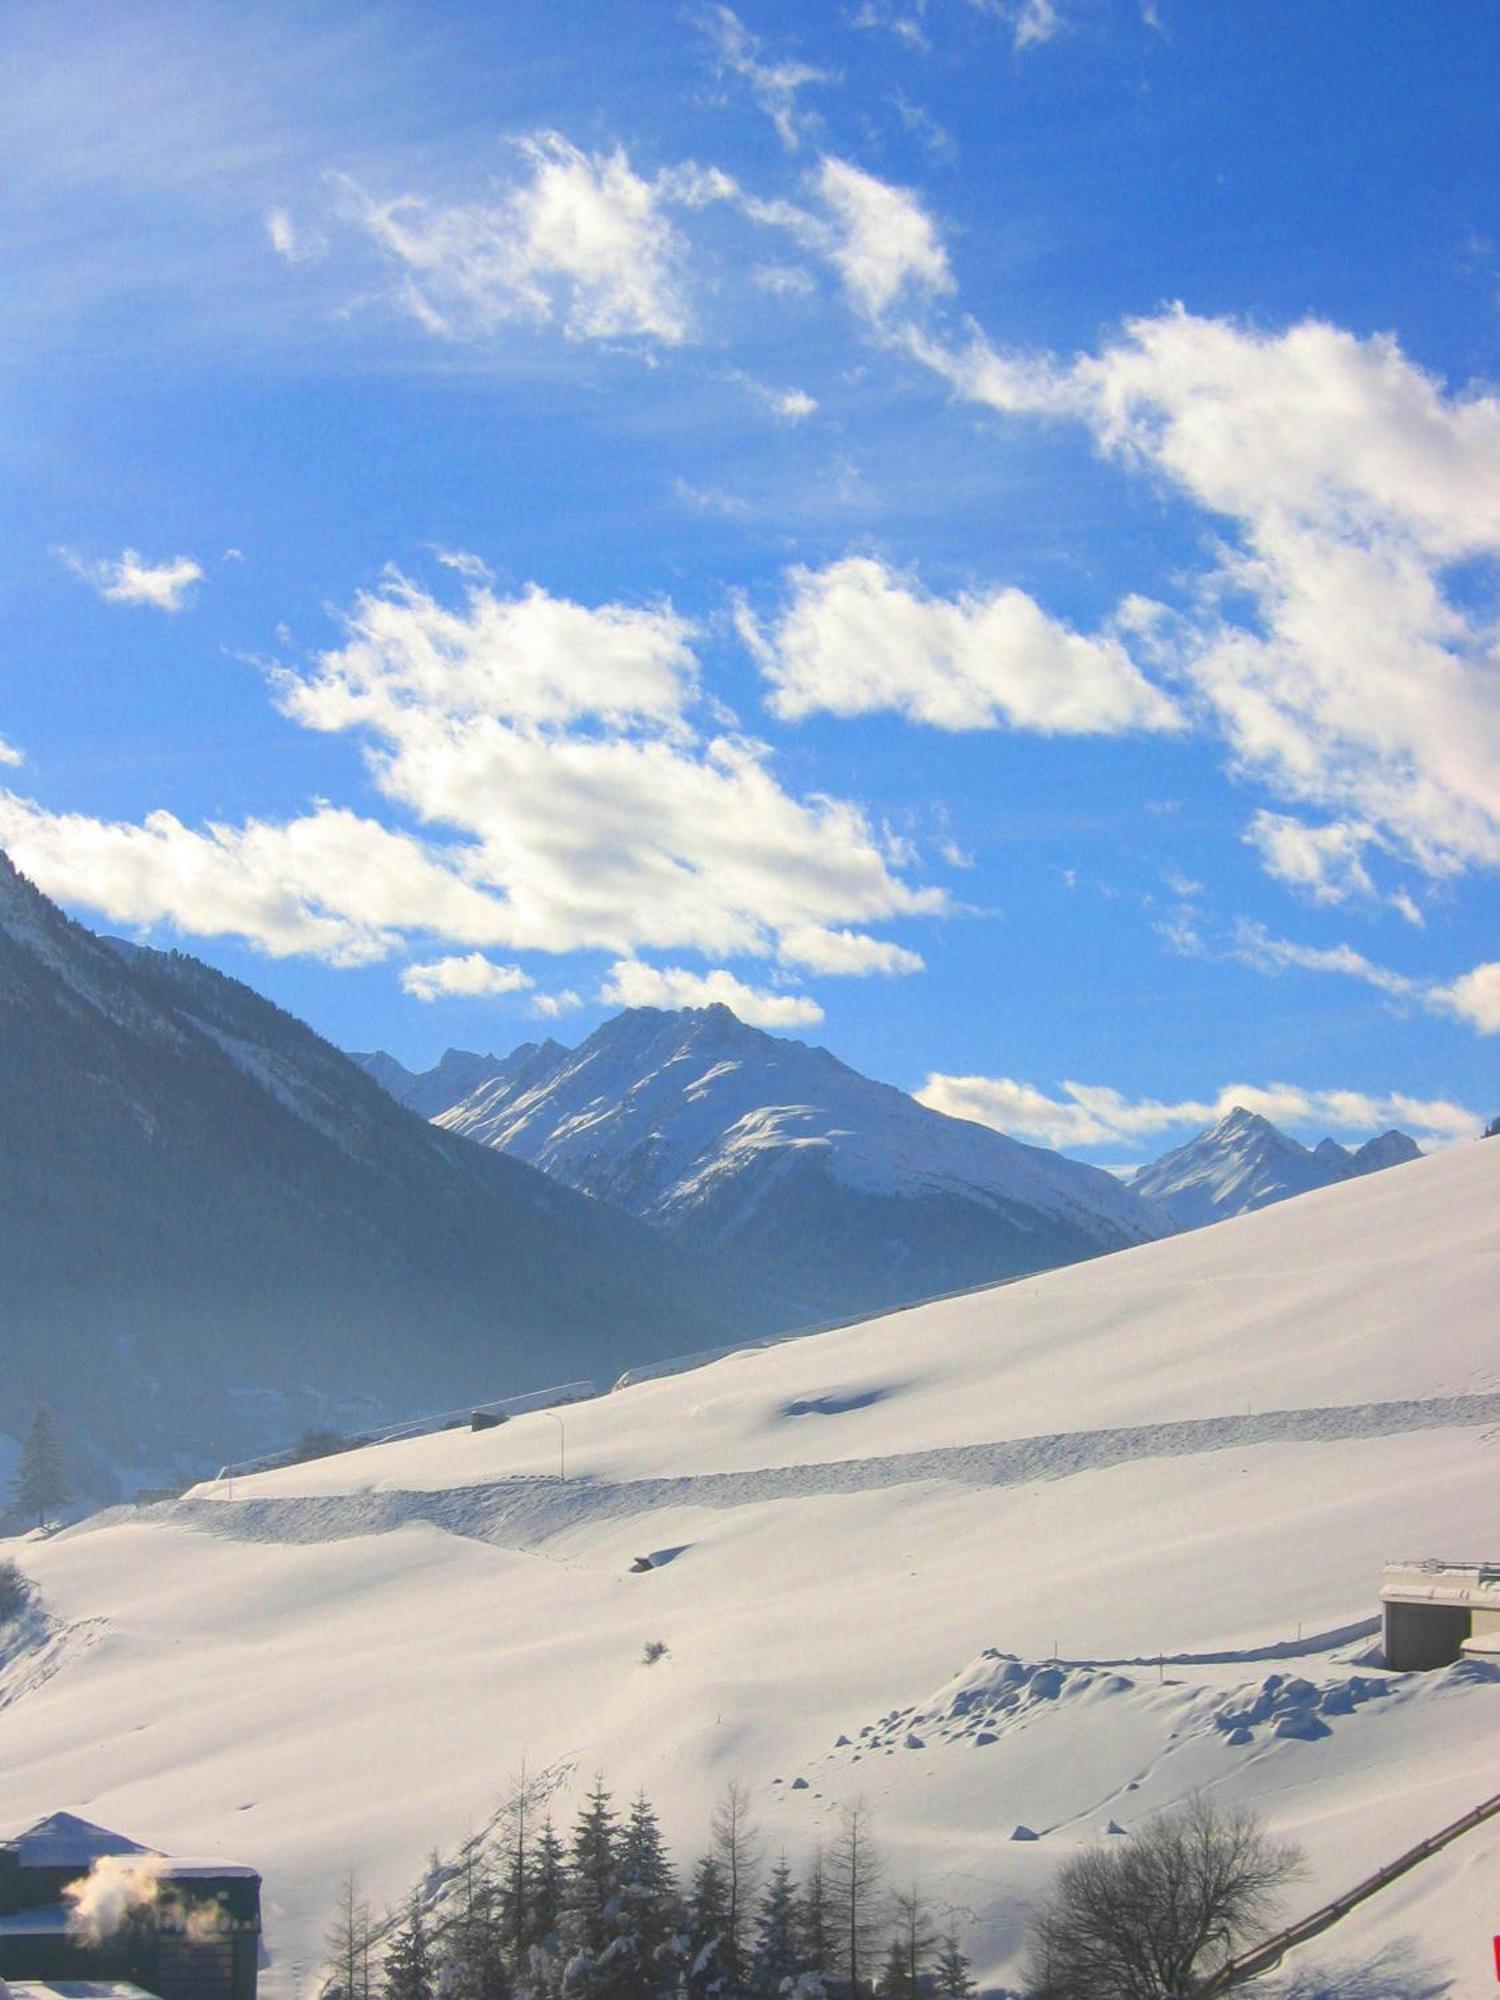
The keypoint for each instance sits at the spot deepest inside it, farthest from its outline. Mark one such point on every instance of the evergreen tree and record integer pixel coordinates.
(474, 1965)
(815, 1920)
(42, 1487)
(707, 1922)
(775, 1958)
(591, 1904)
(408, 1960)
(547, 1890)
(650, 1913)
(951, 1980)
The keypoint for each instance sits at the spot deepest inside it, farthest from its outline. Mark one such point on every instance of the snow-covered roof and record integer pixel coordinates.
(73, 1989)
(62, 1840)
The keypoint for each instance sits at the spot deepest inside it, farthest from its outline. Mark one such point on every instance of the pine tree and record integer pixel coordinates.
(42, 1487)
(548, 1888)
(408, 1961)
(474, 1965)
(775, 1956)
(736, 1844)
(650, 1913)
(592, 1899)
(815, 1920)
(707, 1921)
(952, 1979)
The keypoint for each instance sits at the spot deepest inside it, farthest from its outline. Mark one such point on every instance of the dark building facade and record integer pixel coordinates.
(182, 1929)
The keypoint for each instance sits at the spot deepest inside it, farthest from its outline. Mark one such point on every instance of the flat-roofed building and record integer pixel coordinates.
(1435, 1612)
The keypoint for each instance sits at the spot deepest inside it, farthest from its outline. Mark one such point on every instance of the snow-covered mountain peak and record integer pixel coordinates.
(1245, 1162)
(775, 1152)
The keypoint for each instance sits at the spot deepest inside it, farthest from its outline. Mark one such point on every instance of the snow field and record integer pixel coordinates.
(292, 1680)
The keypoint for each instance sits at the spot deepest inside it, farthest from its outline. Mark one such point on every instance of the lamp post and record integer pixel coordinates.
(562, 1443)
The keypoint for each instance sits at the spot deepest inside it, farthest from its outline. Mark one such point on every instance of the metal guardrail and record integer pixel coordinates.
(679, 1364)
(1265, 1957)
(502, 1408)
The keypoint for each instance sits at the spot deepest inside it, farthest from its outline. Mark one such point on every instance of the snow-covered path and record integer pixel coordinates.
(524, 1513)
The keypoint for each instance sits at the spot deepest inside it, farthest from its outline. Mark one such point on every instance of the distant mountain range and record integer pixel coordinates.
(819, 1192)
(217, 1228)
(1245, 1162)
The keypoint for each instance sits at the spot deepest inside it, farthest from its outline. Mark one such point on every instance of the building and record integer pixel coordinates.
(1435, 1612)
(179, 1929)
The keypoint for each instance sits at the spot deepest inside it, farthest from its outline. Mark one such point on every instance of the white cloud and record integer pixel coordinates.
(818, 949)
(1325, 862)
(633, 984)
(1475, 998)
(1363, 685)
(129, 579)
(783, 281)
(1254, 946)
(9, 754)
(1037, 22)
(583, 241)
(857, 638)
(329, 885)
(575, 790)
(295, 245)
(884, 244)
(551, 1006)
(471, 977)
(1096, 1115)
(710, 499)
(773, 85)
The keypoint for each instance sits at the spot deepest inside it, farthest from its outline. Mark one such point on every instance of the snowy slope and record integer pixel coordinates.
(1245, 1162)
(1201, 1449)
(828, 1192)
(457, 1074)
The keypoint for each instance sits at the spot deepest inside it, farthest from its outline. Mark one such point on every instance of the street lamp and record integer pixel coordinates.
(562, 1443)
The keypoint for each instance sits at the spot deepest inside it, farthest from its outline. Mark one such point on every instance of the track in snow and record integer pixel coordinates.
(522, 1513)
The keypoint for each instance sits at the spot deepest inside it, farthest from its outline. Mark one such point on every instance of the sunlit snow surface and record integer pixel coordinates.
(341, 1664)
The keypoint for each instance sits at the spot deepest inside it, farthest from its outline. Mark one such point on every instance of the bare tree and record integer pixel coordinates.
(853, 1870)
(913, 1941)
(737, 1849)
(1150, 1917)
(349, 1939)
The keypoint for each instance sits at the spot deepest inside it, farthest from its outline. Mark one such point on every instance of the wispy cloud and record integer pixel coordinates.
(129, 579)
(581, 241)
(773, 84)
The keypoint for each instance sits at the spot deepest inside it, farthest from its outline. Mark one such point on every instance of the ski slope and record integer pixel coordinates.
(1049, 1556)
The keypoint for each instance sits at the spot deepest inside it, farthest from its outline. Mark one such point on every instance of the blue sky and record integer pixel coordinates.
(967, 529)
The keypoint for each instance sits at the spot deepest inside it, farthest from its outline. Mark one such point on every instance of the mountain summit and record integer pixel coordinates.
(823, 1192)
(1245, 1162)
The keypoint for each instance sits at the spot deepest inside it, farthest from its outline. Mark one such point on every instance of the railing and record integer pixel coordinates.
(502, 1408)
(1269, 1954)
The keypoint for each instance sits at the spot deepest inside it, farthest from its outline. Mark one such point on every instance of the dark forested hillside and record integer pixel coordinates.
(215, 1224)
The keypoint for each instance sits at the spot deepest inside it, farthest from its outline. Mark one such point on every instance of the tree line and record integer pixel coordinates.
(604, 1914)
